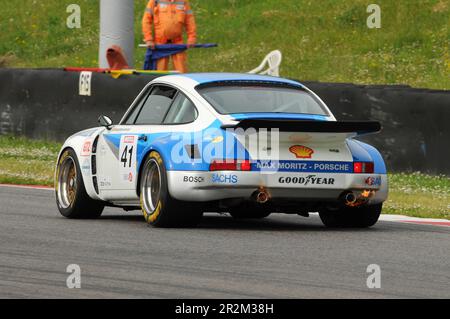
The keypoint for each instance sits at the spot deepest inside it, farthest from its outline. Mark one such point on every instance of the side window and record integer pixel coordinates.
(134, 113)
(182, 111)
(156, 106)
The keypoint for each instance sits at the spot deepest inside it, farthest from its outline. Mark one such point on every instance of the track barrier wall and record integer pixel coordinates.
(46, 104)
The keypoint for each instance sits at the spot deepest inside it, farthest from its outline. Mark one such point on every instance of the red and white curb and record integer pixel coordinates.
(415, 220)
(47, 188)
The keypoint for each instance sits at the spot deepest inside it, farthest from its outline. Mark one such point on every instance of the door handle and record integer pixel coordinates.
(143, 137)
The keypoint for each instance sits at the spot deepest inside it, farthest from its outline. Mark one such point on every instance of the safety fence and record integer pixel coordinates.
(46, 104)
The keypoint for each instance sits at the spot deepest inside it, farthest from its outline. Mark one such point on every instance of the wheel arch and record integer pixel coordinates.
(76, 143)
(61, 152)
(152, 148)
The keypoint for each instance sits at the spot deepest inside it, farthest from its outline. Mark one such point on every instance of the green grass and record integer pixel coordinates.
(419, 195)
(30, 162)
(27, 162)
(325, 40)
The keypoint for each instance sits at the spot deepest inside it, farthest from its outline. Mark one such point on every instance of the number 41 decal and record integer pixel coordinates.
(127, 156)
(127, 152)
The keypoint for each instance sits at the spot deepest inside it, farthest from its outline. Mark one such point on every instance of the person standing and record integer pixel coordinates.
(169, 19)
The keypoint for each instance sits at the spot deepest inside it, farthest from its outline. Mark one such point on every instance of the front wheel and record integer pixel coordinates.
(158, 207)
(352, 217)
(71, 196)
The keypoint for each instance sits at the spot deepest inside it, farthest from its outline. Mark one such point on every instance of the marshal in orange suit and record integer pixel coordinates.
(169, 19)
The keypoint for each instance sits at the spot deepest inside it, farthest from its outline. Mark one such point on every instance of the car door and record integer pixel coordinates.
(119, 147)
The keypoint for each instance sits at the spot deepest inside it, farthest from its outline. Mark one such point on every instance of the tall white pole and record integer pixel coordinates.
(116, 28)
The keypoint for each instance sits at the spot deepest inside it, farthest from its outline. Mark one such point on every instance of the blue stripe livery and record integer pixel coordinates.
(304, 166)
(174, 147)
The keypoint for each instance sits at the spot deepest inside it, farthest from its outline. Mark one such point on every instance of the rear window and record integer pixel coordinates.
(229, 99)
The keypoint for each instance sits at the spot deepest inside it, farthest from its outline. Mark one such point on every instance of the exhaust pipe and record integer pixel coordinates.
(261, 196)
(352, 199)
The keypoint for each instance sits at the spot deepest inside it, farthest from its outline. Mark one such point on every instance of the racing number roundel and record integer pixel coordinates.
(127, 158)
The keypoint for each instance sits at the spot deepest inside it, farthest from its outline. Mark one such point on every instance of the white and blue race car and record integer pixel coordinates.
(248, 145)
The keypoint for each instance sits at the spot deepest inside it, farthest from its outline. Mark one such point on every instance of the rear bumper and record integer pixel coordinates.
(210, 186)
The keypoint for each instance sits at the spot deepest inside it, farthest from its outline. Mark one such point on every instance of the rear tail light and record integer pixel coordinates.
(230, 165)
(246, 166)
(363, 167)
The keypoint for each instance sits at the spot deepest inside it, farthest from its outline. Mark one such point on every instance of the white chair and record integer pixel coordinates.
(273, 59)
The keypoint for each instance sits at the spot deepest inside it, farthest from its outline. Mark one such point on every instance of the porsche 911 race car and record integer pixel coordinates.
(248, 145)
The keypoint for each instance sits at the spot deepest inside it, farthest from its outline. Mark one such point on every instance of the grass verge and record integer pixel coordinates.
(419, 195)
(29, 162)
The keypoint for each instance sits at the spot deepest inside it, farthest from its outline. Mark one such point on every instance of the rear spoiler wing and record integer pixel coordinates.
(310, 126)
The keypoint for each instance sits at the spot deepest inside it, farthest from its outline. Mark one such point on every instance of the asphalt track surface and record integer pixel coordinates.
(282, 256)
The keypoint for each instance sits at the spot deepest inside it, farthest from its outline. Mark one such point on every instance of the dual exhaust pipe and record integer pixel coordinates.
(350, 198)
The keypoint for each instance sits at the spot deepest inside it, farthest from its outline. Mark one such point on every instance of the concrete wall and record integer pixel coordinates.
(45, 104)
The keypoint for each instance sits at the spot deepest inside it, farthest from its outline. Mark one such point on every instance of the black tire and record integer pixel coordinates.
(352, 217)
(249, 210)
(158, 207)
(71, 196)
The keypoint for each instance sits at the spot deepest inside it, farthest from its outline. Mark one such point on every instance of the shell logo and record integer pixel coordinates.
(301, 151)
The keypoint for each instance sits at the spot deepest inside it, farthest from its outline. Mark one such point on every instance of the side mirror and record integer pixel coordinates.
(105, 121)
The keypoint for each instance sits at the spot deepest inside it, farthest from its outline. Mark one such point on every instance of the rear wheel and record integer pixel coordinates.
(356, 217)
(158, 207)
(71, 196)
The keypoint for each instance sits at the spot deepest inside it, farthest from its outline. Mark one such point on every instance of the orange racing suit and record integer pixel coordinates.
(169, 18)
